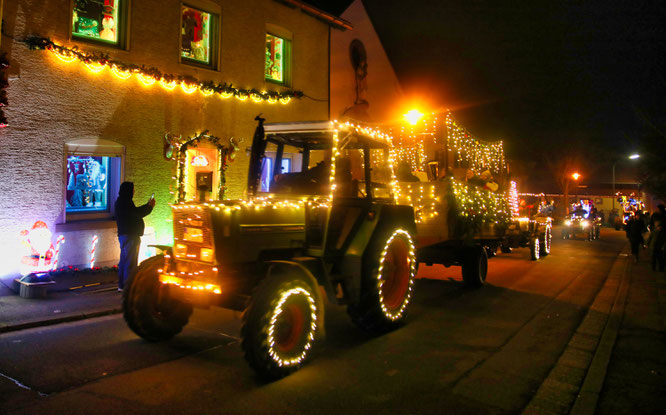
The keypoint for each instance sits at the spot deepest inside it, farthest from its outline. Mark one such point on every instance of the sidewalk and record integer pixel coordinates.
(635, 381)
(73, 297)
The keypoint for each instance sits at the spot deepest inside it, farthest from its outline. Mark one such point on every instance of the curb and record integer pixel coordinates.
(574, 383)
(58, 320)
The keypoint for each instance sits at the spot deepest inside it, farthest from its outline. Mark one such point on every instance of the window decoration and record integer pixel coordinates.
(196, 35)
(225, 155)
(87, 184)
(96, 19)
(275, 58)
(97, 62)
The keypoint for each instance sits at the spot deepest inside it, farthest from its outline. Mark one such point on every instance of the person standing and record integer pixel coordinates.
(634, 229)
(129, 219)
(658, 237)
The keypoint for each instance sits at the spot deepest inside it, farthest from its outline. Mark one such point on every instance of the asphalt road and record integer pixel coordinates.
(461, 352)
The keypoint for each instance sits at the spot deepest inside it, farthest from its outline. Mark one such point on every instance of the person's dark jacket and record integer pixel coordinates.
(634, 229)
(129, 217)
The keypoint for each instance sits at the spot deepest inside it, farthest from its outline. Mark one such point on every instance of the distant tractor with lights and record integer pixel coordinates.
(582, 221)
(320, 217)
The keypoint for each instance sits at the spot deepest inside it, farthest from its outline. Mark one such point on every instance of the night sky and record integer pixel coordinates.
(533, 73)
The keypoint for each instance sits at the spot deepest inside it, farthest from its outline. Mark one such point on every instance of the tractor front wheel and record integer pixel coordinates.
(279, 325)
(147, 307)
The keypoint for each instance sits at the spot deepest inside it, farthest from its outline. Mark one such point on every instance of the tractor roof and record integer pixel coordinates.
(319, 135)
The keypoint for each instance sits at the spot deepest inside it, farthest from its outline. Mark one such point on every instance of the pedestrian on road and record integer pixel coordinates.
(634, 229)
(658, 238)
(129, 219)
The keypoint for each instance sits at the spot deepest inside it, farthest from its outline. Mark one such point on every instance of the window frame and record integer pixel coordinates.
(288, 39)
(93, 148)
(122, 28)
(215, 12)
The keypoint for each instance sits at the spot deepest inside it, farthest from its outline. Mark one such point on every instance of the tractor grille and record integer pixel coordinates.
(192, 233)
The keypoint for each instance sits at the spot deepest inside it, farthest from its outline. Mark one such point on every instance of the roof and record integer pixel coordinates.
(319, 12)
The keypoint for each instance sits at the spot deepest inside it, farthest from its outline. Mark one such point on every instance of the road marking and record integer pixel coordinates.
(20, 385)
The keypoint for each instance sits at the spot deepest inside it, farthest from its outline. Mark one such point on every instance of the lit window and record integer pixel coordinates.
(277, 59)
(197, 37)
(87, 184)
(92, 177)
(99, 20)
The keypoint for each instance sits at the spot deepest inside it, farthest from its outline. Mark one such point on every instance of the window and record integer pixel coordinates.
(93, 174)
(100, 21)
(198, 37)
(276, 68)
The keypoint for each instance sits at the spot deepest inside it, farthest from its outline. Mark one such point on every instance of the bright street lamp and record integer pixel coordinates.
(413, 116)
(631, 157)
(575, 176)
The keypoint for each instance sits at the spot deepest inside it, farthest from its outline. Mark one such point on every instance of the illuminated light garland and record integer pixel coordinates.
(225, 154)
(95, 67)
(59, 241)
(168, 85)
(513, 199)
(189, 284)
(124, 71)
(93, 245)
(271, 330)
(145, 79)
(479, 154)
(481, 205)
(188, 88)
(120, 73)
(412, 270)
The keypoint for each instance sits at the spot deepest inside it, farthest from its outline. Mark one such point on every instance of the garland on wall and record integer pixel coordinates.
(97, 61)
(225, 155)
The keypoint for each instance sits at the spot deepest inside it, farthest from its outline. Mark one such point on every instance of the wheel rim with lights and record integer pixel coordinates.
(396, 274)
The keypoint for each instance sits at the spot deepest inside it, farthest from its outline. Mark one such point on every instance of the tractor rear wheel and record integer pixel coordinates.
(535, 249)
(389, 267)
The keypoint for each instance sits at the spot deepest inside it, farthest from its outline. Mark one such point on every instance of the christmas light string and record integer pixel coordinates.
(148, 76)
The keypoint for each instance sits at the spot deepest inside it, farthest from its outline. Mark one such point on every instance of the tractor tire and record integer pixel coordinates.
(597, 232)
(535, 249)
(279, 325)
(474, 266)
(545, 241)
(152, 319)
(389, 267)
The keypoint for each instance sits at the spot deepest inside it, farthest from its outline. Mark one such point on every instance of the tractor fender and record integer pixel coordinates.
(284, 266)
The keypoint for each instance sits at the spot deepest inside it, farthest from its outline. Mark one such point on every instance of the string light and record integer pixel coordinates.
(284, 296)
(148, 76)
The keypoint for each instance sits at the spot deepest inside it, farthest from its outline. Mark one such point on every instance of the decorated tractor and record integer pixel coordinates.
(535, 234)
(574, 225)
(320, 217)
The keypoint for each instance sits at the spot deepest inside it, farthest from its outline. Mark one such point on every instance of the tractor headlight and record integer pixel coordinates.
(567, 223)
(585, 224)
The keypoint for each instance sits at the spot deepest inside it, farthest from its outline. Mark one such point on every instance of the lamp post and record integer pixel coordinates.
(576, 176)
(631, 157)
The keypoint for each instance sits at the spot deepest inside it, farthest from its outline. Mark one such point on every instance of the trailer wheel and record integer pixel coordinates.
(152, 314)
(535, 249)
(474, 266)
(545, 241)
(389, 267)
(279, 325)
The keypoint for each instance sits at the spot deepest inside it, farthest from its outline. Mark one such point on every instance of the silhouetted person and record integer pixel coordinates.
(634, 229)
(129, 219)
(658, 238)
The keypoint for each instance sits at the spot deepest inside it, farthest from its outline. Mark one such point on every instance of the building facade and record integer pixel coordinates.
(121, 90)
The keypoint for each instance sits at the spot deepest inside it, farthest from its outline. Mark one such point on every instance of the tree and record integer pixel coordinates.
(652, 164)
